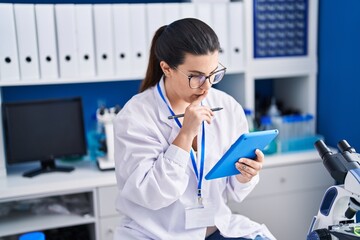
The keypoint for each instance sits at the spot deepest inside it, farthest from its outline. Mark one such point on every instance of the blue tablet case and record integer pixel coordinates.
(244, 146)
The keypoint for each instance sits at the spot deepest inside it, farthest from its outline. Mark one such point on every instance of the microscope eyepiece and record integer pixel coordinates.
(322, 148)
(343, 145)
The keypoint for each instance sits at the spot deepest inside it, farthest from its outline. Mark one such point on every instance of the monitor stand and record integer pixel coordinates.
(46, 167)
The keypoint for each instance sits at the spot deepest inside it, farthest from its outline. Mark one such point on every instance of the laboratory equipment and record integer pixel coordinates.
(267, 124)
(336, 218)
(250, 119)
(105, 116)
(44, 130)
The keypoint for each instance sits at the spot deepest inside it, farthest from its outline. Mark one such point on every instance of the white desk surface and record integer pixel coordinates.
(86, 176)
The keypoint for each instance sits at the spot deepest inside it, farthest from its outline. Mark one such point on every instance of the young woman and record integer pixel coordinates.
(161, 162)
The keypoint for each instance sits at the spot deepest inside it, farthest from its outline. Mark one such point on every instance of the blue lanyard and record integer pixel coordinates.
(192, 156)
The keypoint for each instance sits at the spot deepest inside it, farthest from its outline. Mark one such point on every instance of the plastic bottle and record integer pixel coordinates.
(266, 124)
(273, 110)
(250, 119)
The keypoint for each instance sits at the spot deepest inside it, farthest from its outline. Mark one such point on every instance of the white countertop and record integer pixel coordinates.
(87, 176)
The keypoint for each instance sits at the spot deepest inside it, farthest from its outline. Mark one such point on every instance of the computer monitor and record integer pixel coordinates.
(43, 131)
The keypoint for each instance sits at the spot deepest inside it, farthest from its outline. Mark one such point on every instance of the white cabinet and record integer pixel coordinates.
(294, 76)
(288, 195)
(107, 197)
(108, 216)
(47, 212)
(107, 227)
(86, 192)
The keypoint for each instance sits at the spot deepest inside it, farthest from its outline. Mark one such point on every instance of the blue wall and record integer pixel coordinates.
(339, 71)
(93, 95)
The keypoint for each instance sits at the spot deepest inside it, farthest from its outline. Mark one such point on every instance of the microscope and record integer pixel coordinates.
(105, 116)
(336, 218)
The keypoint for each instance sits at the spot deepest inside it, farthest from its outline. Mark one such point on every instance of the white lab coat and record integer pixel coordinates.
(156, 180)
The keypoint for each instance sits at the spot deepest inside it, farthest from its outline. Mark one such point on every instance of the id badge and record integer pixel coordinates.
(199, 216)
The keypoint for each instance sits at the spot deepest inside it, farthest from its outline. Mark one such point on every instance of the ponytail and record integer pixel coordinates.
(154, 71)
(171, 43)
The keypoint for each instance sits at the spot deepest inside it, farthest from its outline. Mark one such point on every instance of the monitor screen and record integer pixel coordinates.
(43, 131)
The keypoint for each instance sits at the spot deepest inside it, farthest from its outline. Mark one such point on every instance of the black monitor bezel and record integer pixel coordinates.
(8, 157)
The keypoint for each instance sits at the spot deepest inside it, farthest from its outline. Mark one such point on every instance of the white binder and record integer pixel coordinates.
(9, 62)
(236, 36)
(203, 12)
(27, 41)
(171, 12)
(155, 19)
(121, 21)
(220, 26)
(85, 39)
(104, 40)
(45, 22)
(66, 36)
(138, 36)
(187, 10)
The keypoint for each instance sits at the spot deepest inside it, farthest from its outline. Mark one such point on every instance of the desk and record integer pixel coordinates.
(288, 196)
(97, 186)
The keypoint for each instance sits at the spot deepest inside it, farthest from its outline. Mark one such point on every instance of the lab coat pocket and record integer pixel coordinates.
(131, 230)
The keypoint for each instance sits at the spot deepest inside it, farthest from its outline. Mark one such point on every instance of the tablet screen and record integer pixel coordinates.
(243, 147)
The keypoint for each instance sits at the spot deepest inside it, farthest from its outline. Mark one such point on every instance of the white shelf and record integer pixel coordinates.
(14, 224)
(93, 79)
(85, 176)
(66, 81)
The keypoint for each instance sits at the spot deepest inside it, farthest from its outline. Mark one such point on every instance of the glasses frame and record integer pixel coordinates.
(206, 77)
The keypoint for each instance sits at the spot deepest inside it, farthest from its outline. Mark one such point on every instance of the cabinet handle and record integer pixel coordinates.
(282, 180)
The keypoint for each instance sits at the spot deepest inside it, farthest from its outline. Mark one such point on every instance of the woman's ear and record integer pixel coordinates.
(165, 68)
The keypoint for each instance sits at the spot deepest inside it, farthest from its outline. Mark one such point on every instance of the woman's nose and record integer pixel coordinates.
(206, 84)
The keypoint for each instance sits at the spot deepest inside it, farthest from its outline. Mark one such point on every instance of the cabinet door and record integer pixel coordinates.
(287, 216)
(286, 199)
(292, 178)
(107, 227)
(107, 197)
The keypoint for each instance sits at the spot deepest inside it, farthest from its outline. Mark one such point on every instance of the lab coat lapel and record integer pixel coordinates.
(163, 113)
(210, 135)
(210, 138)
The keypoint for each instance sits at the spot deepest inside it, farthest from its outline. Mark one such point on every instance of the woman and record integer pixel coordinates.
(160, 162)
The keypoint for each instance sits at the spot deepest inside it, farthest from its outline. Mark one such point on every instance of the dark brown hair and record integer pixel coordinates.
(170, 44)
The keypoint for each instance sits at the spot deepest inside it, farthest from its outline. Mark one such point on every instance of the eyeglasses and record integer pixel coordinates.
(196, 81)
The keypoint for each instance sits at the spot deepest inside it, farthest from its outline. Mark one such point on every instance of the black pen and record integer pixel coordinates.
(183, 114)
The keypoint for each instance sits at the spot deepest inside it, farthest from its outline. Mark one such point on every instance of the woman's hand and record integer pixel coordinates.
(248, 167)
(195, 114)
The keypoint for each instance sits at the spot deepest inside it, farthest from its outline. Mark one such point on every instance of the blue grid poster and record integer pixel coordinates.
(280, 28)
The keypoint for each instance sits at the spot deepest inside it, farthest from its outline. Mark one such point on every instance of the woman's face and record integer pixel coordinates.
(177, 80)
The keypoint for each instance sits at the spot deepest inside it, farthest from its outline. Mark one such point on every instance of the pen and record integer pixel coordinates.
(183, 114)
